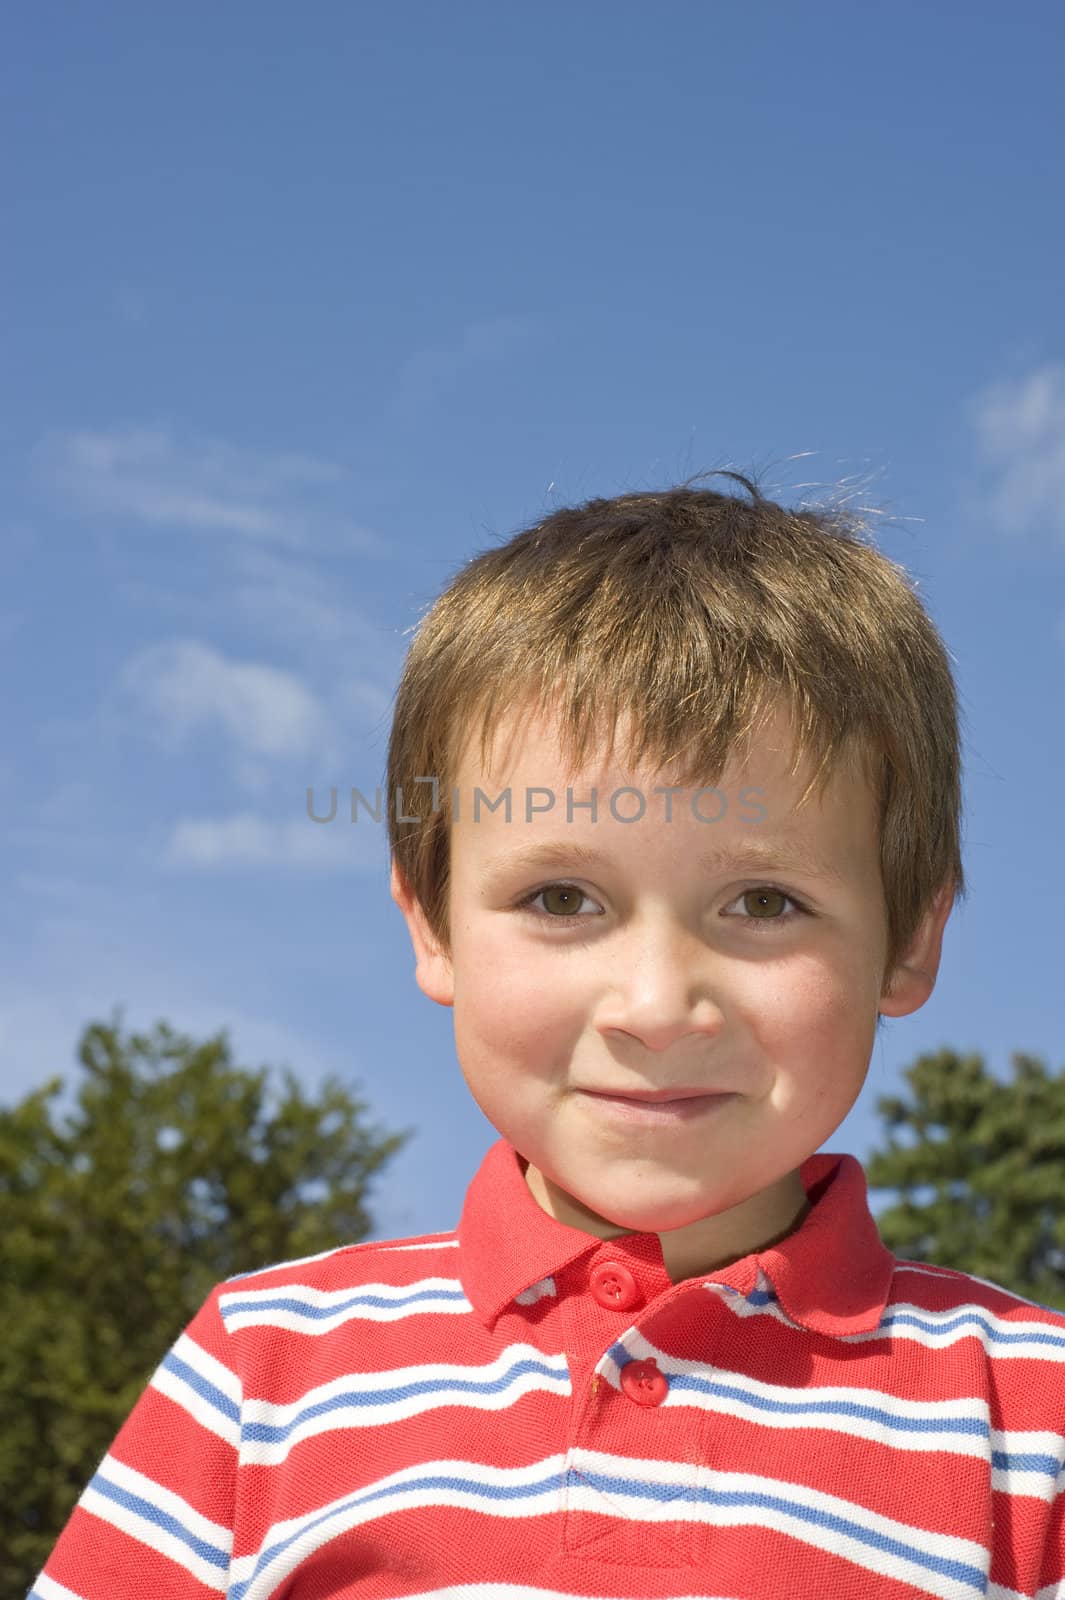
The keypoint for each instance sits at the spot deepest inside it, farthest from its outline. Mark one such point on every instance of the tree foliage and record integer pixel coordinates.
(994, 1156)
(174, 1172)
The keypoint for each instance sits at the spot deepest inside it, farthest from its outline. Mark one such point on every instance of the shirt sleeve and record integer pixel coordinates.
(157, 1517)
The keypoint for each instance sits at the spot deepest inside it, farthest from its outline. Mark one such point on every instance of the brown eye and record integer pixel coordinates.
(566, 898)
(768, 901)
(564, 905)
(764, 907)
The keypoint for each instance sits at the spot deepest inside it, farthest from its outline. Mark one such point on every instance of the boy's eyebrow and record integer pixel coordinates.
(762, 854)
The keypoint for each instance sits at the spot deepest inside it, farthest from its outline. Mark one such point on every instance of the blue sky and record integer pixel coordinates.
(304, 306)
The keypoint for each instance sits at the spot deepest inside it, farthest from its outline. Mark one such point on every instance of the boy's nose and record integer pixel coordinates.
(661, 1007)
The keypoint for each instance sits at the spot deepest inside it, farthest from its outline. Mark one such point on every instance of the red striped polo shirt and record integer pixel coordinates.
(517, 1408)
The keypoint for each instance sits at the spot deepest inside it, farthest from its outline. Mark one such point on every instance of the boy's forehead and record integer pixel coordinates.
(532, 733)
(767, 828)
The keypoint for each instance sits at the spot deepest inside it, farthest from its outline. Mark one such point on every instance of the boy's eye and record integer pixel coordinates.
(566, 897)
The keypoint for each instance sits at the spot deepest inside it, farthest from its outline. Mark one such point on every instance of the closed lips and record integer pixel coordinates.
(655, 1096)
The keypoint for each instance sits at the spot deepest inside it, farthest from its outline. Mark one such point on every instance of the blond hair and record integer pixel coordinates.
(693, 612)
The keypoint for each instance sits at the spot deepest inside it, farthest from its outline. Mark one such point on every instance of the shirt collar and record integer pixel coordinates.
(831, 1275)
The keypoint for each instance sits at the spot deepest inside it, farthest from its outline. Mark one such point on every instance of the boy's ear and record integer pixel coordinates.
(913, 980)
(432, 968)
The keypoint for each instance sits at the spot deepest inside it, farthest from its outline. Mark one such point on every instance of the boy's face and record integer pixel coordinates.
(643, 977)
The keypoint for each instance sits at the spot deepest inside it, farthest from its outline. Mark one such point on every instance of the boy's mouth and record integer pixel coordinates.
(655, 1096)
(659, 1106)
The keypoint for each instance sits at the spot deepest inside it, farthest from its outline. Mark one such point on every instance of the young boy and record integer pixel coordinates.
(674, 800)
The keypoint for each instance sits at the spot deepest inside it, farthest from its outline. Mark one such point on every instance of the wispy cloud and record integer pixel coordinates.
(129, 304)
(315, 612)
(300, 686)
(247, 840)
(425, 376)
(147, 475)
(1020, 430)
(185, 686)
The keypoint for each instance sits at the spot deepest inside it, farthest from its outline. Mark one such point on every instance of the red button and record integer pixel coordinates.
(642, 1382)
(613, 1285)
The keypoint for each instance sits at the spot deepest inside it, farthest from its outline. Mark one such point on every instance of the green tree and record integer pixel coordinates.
(994, 1155)
(173, 1173)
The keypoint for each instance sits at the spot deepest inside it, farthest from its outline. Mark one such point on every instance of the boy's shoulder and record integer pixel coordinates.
(345, 1265)
(949, 1289)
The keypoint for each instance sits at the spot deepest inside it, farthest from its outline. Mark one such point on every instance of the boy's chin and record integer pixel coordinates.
(607, 1214)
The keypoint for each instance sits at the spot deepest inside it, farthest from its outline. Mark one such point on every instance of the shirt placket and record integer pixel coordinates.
(633, 1465)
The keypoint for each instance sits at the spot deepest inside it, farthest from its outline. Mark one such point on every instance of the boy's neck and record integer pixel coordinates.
(701, 1247)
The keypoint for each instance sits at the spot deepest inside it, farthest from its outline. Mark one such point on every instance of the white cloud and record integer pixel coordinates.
(310, 610)
(246, 840)
(306, 606)
(1020, 429)
(129, 304)
(147, 475)
(427, 373)
(185, 685)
